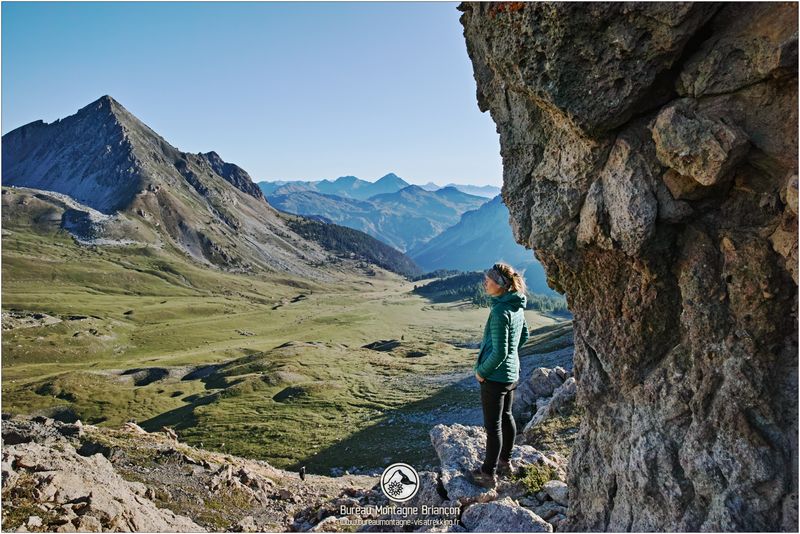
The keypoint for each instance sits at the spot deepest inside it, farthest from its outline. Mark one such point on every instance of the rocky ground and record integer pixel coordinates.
(60, 477)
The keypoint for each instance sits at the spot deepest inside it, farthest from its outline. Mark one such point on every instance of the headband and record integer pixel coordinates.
(498, 277)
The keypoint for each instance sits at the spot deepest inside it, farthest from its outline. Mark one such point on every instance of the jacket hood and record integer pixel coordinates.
(511, 299)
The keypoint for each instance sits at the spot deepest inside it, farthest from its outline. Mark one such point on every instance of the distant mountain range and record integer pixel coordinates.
(352, 187)
(488, 191)
(345, 186)
(438, 227)
(403, 219)
(124, 182)
(481, 238)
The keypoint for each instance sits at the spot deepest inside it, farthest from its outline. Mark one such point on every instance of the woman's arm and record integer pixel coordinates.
(498, 327)
(525, 334)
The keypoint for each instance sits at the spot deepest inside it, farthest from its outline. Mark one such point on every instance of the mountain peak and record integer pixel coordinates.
(486, 191)
(391, 178)
(448, 189)
(213, 157)
(413, 188)
(88, 156)
(105, 101)
(106, 105)
(431, 186)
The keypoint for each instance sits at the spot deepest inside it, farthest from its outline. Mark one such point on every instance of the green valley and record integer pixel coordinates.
(268, 365)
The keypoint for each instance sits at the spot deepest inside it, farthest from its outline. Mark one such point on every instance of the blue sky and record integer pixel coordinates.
(286, 90)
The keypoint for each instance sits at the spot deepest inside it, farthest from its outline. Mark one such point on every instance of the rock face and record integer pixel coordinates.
(650, 160)
(234, 174)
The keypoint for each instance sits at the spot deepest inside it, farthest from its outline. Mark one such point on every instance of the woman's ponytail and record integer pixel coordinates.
(517, 282)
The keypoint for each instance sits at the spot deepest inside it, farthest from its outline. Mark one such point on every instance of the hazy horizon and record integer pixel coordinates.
(288, 91)
(374, 179)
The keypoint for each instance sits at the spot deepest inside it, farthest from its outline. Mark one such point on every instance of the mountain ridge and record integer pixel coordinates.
(343, 186)
(107, 159)
(354, 187)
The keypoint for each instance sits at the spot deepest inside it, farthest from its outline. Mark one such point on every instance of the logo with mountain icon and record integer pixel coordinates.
(400, 482)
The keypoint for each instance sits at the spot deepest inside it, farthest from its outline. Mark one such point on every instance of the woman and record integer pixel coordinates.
(497, 369)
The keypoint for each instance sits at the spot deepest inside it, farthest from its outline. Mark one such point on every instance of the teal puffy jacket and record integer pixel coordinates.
(505, 331)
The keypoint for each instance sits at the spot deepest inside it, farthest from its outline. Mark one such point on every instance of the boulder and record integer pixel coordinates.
(462, 448)
(549, 509)
(8, 474)
(130, 426)
(329, 524)
(88, 523)
(557, 491)
(561, 403)
(563, 399)
(544, 381)
(246, 524)
(540, 383)
(696, 145)
(562, 373)
(503, 515)
(39, 429)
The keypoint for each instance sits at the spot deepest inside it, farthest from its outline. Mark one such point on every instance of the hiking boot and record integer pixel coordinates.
(506, 469)
(479, 478)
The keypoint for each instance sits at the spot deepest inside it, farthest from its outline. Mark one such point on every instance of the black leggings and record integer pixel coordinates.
(497, 399)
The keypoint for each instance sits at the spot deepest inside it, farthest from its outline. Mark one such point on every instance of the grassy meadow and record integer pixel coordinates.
(263, 366)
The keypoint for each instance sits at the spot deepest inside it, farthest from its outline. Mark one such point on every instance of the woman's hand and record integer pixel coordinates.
(479, 377)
